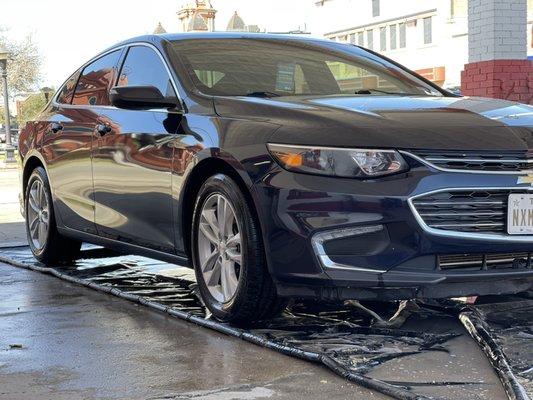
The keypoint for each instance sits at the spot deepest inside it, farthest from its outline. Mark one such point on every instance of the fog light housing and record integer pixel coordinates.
(320, 239)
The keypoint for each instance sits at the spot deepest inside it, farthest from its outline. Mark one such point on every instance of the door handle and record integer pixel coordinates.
(55, 127)
(103, 129)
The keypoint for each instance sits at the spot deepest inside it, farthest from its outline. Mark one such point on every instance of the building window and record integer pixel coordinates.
(360, 39)
(352, 38)
(375, 8)
(383, 38)
(403, 35)
(459, 8)
(370, 39)
(393, 34)
(428, 30)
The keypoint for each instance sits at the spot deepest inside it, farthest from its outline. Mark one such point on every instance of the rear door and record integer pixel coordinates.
(68, 141)
(132, 160)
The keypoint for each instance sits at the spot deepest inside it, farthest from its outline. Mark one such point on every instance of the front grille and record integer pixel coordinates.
(484, 261)
(478, 211)
(510, 162)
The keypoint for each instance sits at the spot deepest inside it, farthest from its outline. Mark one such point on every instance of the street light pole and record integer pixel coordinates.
(10, 150)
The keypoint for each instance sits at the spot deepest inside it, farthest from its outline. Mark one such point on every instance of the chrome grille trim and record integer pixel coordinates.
(433, 163)
(493, 237)
(479, 160)
(465, 210)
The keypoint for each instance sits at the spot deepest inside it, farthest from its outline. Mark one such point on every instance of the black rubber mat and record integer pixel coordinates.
(345, 338)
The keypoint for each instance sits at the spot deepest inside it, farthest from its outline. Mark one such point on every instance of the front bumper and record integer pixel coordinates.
(395, 256)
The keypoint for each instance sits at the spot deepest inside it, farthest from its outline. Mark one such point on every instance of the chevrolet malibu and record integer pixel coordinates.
(282, 167)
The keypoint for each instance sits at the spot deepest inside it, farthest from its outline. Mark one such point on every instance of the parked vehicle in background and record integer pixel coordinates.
(282, 167)
(456, 90)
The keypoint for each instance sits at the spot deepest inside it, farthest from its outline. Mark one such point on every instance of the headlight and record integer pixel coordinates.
(334, 161)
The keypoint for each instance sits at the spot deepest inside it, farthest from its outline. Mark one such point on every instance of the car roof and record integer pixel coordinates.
(235, 35)
(219, 35)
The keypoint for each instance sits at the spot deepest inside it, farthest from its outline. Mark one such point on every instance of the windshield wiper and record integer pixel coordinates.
(369, 91)
(262, 94)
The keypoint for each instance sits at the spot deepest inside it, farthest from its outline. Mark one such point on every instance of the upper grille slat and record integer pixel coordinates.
(477, 211)
(510, 162)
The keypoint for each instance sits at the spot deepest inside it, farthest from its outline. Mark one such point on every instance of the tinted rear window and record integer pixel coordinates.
(67, 90)
(96, 80)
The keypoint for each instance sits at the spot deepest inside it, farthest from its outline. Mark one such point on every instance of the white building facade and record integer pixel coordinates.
(429, 36)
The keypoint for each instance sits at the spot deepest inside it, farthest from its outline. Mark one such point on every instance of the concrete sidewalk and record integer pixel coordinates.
(12, 229)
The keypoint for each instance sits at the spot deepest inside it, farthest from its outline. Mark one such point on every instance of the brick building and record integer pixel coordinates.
(497, 51)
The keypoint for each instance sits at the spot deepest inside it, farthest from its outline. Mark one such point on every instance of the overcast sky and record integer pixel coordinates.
(69, 32)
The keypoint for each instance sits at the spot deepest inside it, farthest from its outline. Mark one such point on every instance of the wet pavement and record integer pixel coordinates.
(81, 344)
(431, 354)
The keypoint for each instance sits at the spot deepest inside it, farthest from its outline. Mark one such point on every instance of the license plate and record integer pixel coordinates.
(520, 214)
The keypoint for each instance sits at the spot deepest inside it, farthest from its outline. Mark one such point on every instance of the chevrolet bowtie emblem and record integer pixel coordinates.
(526, 179)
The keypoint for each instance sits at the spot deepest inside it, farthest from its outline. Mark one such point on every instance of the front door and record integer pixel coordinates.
(132, 160)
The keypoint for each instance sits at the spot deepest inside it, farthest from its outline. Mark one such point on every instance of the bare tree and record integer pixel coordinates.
(24, 65)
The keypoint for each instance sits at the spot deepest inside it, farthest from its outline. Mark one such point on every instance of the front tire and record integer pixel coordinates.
(46, 243)
(228, 255)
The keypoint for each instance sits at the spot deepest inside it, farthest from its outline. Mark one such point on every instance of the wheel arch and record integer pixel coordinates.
(32, 161)
(202, 170)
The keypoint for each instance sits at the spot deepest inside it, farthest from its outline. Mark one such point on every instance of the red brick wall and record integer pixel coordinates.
(501, 79)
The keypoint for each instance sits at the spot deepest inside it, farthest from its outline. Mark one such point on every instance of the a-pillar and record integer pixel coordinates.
(497, 51)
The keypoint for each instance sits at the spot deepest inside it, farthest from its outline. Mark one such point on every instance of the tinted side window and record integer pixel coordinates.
(96, 80)
(67, 90)
(143, 66)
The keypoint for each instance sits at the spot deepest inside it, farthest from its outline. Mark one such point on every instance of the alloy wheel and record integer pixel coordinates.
(219, 247)
(38, 217)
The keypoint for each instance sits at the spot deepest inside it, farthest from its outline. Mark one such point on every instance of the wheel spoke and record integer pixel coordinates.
(209, 227)
(39, 194)
(33, 225)
(209, 263)
(32, 203)
(212, 278)
(43, 203)
(224, 283)
(32, 200)
(42, 233)
(228, 280)
(234, 256)
(234, 240)
(222, 215)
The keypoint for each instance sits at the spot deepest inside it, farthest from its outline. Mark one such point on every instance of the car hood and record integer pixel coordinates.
(403, 122)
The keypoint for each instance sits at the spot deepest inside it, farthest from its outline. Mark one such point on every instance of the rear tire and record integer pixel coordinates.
(46, 243)
(227, 247)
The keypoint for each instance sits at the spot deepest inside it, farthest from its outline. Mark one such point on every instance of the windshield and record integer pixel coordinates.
(269, 68)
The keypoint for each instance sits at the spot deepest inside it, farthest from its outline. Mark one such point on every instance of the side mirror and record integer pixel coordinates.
(140, 97)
